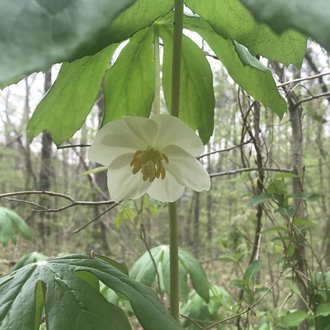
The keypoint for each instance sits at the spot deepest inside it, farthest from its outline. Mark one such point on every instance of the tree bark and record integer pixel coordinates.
(46, 173)
(196, 245)
(297, 236)
(209, 202)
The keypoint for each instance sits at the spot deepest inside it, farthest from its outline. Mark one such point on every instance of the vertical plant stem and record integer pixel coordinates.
(176, 59)
(175, 101)
(174, 261)
(156, 107)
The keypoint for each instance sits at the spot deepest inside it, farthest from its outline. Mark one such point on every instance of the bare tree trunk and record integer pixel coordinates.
(30, 177)
(300, 268)
(187, 230)
(255, 136)
(209, 202)
(196, 244)
(46, 172)
(327, 229)
(323, 154)
(260, 183)
(325, 202)
(101, 179)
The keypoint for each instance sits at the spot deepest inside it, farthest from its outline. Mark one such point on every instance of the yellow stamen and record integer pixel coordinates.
(149, 161)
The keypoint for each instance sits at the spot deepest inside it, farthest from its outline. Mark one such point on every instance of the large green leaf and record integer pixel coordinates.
(255, 79)
(129, 84)
(323, 310)
(71, 300)
(11, 224)
(308, 17)
(294, 319)
(144, 271)
(65, 107)
(196, 85)
(36, 34)
(140, 15)
(232, 21)
(29, 258)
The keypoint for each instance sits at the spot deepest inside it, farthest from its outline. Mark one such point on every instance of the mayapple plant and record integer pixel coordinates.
(153, 155)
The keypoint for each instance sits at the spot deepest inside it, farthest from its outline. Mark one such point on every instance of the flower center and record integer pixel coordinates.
(150, 163)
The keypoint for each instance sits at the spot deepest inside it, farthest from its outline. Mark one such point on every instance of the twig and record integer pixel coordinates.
(303, 79)
(95, 218)
(54, 194)
(313, 97)
(74, 146)
(223, 150)
(37, 192)
(25, 202)
(191, 320)
(252, 169)
(90, 178)
(143, 237)
(76, 203)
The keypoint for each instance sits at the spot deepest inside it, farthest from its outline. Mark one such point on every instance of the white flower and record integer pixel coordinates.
(154, 156)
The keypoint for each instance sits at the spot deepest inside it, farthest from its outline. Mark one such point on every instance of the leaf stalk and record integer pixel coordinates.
(172, 207)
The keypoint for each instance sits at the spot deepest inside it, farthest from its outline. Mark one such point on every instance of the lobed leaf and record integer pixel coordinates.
(129, 83)
(257, 82)
(309, 17)
(29, 258)
(36, 34)
(231, 20)
(196, 85)
(65, 107)
(138, 16)
(66, 287)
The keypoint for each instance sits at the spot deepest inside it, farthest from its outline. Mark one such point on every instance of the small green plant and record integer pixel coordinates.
(12, 224)
(68, 287)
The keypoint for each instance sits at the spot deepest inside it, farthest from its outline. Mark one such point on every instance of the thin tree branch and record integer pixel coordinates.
(313, 97)
(224, 150)
(192, 321)
(37, 192)
(252, 169)
(77, 203)
(55, 194)
(95, 218)
(26, 202)
(303, 79)
(74, 146)
(143, 237)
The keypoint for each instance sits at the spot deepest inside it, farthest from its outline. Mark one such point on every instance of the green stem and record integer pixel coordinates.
(175, 102)
(176, 59)
(156, 107)
(174, 261)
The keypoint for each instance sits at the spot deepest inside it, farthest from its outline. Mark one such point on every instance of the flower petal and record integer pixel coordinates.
(166, 190)
(122, 183)
(172, 130)
(187, 170)
(121, 136)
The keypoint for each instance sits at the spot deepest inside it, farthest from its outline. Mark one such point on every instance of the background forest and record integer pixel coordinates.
(261, 234)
